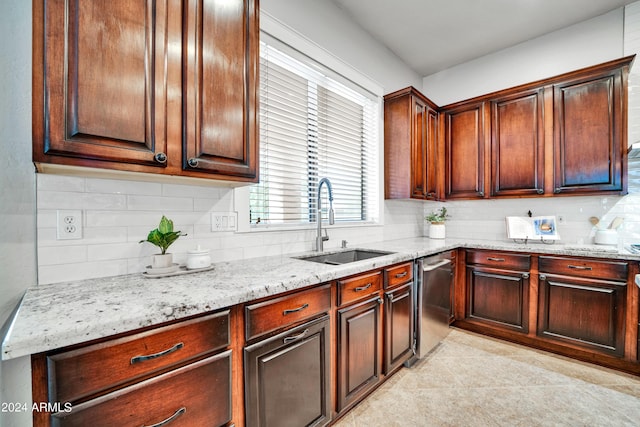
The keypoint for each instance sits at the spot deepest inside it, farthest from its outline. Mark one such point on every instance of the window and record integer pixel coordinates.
(313, 124)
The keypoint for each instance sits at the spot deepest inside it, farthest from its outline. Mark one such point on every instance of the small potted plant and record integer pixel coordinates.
(436, 219)
(163, 237)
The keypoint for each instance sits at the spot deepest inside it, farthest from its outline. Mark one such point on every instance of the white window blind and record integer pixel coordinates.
(313, 125)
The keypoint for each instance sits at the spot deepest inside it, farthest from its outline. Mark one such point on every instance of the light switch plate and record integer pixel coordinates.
(224, 221)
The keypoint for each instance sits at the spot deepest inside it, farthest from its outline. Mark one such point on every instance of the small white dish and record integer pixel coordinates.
(163, 270)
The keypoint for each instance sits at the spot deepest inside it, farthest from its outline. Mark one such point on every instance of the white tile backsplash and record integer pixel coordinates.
(118, 214)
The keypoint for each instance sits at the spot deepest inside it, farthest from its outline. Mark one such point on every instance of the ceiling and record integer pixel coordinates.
(432, 35)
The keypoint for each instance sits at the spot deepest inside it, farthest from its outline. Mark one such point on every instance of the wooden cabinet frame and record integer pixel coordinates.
(615, 346)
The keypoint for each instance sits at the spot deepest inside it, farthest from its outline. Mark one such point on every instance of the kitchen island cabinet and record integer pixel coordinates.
(130, 86)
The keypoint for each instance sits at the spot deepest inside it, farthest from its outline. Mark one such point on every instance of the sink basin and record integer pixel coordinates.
(344, 257)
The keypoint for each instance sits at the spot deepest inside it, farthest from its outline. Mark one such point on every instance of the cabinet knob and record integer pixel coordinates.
(193, 162)
(543, 277)
(160, 158)
(540, 191)
(557, 190)
(525, 275)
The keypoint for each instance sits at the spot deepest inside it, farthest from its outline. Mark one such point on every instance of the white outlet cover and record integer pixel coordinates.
(69, 224)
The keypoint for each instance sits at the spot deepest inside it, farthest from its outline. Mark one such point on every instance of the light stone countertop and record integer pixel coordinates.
(63, 314)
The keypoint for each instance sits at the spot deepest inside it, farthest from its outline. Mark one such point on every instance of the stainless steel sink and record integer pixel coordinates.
(344, 257)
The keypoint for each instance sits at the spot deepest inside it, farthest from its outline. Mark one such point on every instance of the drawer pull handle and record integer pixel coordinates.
(580, 267)
(137, 359)
(295, 310)
(401, 275)
(362, 288)
(495, 259)
(168, 420)
(293, 338)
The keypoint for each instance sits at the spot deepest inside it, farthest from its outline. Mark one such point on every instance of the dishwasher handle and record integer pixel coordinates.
(431, 267)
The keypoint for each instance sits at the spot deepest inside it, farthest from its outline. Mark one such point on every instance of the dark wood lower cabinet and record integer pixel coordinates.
(287, 378)
(198, 394)
(498, 297)
(359, 350)
(583, 313)
(399, 316)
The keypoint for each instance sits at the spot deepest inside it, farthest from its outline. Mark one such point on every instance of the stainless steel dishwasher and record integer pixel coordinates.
(434, 302)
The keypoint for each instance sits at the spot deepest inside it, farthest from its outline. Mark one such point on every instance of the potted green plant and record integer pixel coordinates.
(163, 237)
(437, 219)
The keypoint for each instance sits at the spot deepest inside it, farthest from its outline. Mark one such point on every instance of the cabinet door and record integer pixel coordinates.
(101, 93)
(424, 151)
(464, 152)
(287, 378)
(588, 146)
(220, 81)
(517, 144)
(582, 313)
(399, 316)
(498, 297)
(359, 350)
(198, 394)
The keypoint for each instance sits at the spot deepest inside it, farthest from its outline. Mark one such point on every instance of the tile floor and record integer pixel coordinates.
(472, 380)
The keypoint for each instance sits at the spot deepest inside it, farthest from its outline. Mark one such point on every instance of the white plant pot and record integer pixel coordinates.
(437, 231)
(161, 261)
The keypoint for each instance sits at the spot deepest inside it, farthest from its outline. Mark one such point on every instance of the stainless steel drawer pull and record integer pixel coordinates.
(287, 340)
(362, 288)
(580, 267)
(295, 310)
(495, 259)
(168, 420)
(401, 275)
(137, 359)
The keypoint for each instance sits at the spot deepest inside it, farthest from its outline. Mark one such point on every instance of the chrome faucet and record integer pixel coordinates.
(320, 238)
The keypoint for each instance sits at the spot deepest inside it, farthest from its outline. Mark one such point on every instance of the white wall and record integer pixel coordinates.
(328, 26)
(588, 43)
(17, 191)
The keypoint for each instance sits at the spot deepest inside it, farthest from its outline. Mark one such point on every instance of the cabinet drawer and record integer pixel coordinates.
(198, 394)
(358, 287)
(85, 371)
(398, 274)
(281, 312)
(500, 259)
(583, 267)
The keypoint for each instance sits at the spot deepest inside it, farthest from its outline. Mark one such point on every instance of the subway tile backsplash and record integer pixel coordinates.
(117, 214)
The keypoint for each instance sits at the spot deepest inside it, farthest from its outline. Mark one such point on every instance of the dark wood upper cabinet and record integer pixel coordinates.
(130, 85)
(100, 80)
(564, 135)
(590, 132)
(411, 145)
(517, 144)
(464, 151)
(221, 42)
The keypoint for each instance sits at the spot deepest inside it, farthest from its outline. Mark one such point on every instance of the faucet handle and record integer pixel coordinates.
(326, 235)
(344, 244)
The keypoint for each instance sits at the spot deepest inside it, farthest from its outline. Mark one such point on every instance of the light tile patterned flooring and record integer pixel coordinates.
(472, 380)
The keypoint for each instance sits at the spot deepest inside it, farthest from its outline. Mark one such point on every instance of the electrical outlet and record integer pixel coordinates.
(560, 219)
(69, 225)
(224, 221)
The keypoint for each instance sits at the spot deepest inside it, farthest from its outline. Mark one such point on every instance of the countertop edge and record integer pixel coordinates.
(97, 308)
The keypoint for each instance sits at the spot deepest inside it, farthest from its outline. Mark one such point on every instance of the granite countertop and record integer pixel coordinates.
(62, 314)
